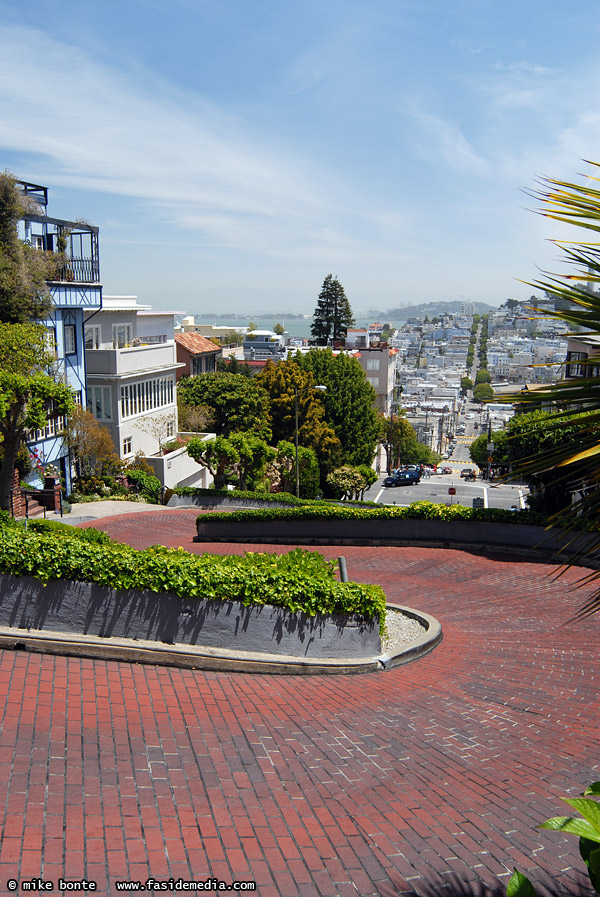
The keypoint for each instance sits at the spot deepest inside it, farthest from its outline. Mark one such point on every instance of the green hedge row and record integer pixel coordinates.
(420, 510)
(298, 581)
(279, 497)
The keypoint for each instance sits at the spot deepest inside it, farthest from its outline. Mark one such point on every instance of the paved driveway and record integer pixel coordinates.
(428, 779)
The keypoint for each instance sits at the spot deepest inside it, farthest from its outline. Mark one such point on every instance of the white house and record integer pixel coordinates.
(131, 365)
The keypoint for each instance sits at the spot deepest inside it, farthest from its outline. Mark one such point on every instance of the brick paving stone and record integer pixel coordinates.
(424, 780)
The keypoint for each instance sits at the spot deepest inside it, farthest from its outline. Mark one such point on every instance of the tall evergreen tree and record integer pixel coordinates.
(349, 403)
(333, 314)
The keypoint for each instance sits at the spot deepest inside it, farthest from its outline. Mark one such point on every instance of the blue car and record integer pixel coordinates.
(404, 478)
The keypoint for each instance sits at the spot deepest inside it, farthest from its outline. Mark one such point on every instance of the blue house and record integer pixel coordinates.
(76, 290)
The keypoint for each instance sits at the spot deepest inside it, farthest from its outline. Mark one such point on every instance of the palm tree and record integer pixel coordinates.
(574, 402)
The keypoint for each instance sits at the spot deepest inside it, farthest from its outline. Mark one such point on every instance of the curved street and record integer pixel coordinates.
(428, 779)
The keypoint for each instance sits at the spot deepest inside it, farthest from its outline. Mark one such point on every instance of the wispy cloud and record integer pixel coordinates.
(100, 129)
(445, 142)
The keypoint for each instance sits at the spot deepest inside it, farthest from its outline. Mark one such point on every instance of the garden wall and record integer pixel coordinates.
(471, 535)
(84, 608)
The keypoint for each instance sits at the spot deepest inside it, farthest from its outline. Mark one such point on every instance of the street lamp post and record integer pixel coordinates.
(296, 394)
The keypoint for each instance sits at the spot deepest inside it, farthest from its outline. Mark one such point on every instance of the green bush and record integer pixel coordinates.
(146, 484)
(96, 536)
(420, 510)
(280, 497)
(299, 581)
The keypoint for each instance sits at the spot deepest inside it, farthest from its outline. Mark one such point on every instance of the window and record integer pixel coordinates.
(374, 381)
(99, 402)
(146, 395)
(92, 336)
(372, 364)
(54, 427)
(170, 430)
(127, 446)
(50, 337)
(121, 335)
(70, 345)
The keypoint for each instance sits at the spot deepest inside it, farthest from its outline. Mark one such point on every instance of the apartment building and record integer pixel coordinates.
(75, 292)
(131, 372)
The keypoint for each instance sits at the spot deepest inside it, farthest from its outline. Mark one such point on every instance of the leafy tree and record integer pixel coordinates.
(161, 427)
(236, 402)
(351, 483)
(193, 418)
(333, 314)
(406, 448)
(217, 455)
(349, 403)
(253, 455)
(308, 469)
(536, 435)
(280, 381)
(279, 329)
(239, 459)
(483, 377)
(27, 394)
(24, 294)
(233, 365)
(479, 454)
(466, 383)
(483, 393)
(89, 441)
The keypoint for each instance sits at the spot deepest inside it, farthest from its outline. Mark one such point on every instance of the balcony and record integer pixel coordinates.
(131, 359)
(75, 244)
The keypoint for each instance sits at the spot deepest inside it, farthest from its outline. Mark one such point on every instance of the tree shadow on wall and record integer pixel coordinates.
(571, 884)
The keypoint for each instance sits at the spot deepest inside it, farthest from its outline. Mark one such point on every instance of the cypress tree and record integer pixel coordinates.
(333, 314)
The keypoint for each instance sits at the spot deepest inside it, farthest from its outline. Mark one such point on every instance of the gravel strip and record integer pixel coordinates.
(400, 631)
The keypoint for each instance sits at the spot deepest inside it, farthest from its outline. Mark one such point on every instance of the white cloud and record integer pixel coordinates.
(444, 142)
(106, 131)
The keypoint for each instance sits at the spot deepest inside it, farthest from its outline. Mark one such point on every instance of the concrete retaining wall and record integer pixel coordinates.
(470, 535)
(76, 607)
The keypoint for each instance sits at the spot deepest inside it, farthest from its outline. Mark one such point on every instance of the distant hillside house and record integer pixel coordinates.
(263, 346)
(197, 354)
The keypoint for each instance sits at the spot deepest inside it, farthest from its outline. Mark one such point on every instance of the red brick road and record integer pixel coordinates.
(428, 779)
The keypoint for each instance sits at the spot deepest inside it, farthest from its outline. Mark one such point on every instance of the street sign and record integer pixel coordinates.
(490, 446)
(478, 503)
(451, 491)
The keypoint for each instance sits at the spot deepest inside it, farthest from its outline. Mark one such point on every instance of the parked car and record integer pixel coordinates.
(403, 478)
(445, 469)
(468, 473)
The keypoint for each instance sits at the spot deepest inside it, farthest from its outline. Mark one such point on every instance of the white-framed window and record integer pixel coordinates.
(92, 336)
(372, 364)
(70, 344)
(146, 395)
(122, 335)
(54, 427)
(170, 430)
(99, 402)
(127, 446)
(50, 337)
(374, 381)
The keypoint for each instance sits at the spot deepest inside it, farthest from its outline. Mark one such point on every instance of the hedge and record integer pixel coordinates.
(281, 497)
(300, 581)
(420, 510)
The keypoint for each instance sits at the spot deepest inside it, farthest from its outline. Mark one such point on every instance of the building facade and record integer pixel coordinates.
(131, 371)
(76, 292)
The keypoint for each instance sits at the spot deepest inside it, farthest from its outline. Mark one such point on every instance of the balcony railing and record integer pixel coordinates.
(79, 270)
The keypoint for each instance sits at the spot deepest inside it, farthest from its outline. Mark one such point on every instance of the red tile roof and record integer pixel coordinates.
(196, 343)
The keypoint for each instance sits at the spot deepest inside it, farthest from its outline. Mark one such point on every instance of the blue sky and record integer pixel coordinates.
(234, 152)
